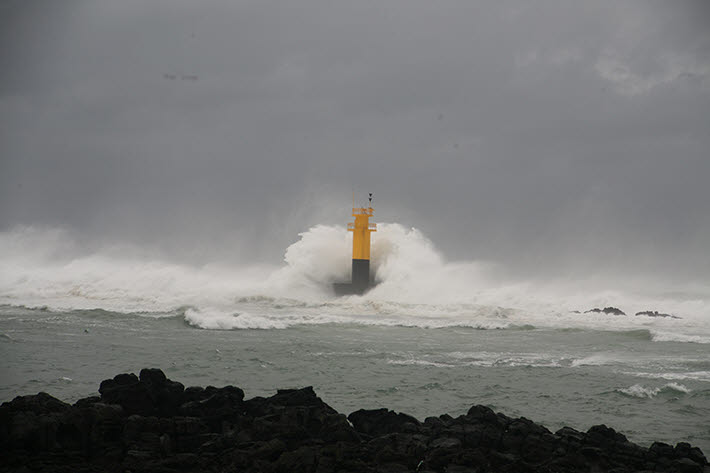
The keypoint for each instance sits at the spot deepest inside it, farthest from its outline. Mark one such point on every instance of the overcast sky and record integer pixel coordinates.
(546, 134)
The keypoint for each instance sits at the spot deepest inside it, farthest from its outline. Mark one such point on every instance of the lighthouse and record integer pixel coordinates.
(361, 229)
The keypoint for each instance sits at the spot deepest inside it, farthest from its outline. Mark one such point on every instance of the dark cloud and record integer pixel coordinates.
(547, 136)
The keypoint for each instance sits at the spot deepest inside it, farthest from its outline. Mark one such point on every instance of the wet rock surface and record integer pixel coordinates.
(150, 423)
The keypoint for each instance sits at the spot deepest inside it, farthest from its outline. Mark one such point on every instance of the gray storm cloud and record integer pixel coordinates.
(551, 137)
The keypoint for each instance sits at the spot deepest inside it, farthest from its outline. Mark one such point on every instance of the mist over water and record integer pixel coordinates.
(416, 287)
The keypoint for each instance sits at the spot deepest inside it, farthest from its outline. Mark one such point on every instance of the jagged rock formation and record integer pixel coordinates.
(606, 310)
(152, 424)
(655, 313)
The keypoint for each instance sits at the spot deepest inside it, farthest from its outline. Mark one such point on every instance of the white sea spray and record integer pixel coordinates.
(417, 287)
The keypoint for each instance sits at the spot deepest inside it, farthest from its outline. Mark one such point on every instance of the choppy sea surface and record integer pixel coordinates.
(433, 337)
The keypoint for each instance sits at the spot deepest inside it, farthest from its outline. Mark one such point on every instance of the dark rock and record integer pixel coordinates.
(296, 397)
(686, 465)
(697, 456)
(660, 450)
(150, 423)
(483, 414)
(301, 460)
(193, 393)
(153, 377)
(39, 404)
(127, 391)
(382, 421)
(226, 401)
(123, 379)
(151, 394)
(87, 401)
(446, 443)
(604, 436)
(606, 310)
(166, 395)
(570, 436)
(655, 313)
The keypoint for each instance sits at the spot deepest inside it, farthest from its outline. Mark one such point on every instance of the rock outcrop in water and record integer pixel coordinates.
(655, 313)
(617, 311)
(152, 424)
(606, 310)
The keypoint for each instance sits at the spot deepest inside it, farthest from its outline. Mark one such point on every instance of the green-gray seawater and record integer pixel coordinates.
(649, 390)
(433, 337)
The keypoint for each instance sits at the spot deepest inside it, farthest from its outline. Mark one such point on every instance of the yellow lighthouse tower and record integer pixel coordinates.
(361, 229)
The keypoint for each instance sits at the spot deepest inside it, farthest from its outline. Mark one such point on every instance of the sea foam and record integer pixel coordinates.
(417, 287)
(659, 336)
(640, 391)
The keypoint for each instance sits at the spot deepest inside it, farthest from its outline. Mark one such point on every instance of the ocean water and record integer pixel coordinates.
(433, 337)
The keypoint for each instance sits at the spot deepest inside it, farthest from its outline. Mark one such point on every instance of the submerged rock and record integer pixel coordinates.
(606, 310)
(149, 423)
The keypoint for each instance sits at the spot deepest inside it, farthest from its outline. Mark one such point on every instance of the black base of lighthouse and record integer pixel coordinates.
(361, 274)
(360, 279)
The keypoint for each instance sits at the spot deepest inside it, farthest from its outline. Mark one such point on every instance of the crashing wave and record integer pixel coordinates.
(640, 391)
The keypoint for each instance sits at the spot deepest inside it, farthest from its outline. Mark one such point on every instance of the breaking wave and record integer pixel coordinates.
(417, 287)
(640, 391)
(678, 376)
(658, 336)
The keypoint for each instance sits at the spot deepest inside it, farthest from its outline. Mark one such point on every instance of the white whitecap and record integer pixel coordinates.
(216, 320)
(593, 360)
(640, 391)
(658, 336)
(418, 362)
(676, 376)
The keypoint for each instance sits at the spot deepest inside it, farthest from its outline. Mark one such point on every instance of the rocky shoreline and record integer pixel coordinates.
(149, 423)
